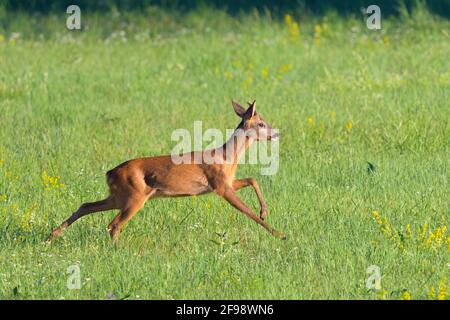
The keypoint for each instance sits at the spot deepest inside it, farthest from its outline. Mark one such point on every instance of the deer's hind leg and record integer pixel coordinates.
(85, 209)
(130, 207)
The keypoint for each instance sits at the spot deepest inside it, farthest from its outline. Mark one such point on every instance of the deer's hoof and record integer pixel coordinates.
(263, 214)
(55, 233)
(280, 235)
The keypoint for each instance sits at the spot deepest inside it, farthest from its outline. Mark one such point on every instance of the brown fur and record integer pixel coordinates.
(134, 182)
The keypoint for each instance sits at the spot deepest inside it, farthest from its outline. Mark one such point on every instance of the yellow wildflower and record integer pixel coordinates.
(248, 82)
(288, 19)
(293, 28)
(310, 120)
(431, 294)
(377, 217)
(442, 290)
(408, 230)
(349, 126)
(382, 294)
(51, 183)
(285, 68)
(27, 220)
(317, 34)
(436, 238)
(265, 73)
(406, 295)
(295, 31)
(423, 233)
(386, 228)
(228, 75)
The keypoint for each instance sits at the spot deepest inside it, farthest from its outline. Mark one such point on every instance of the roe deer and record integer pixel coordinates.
(135, 181)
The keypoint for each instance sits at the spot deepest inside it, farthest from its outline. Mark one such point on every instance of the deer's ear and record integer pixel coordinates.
(240, 111)
(251, 110)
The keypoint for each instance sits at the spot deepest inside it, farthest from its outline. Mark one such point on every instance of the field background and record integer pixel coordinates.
(74, 104)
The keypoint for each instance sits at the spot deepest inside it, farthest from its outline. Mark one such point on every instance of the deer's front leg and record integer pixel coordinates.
(229, 194)
(242, 183)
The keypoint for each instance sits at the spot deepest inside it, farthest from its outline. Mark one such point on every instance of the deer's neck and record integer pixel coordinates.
(236, 146)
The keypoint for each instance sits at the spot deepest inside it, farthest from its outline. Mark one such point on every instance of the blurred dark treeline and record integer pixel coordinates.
(312, 7)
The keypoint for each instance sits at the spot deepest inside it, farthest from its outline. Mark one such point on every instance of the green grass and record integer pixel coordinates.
(75, 104)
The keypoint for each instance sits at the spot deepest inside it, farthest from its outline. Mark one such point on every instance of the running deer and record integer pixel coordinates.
(135, 181)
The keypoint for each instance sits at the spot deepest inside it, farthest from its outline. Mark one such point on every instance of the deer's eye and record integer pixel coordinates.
(261, 125)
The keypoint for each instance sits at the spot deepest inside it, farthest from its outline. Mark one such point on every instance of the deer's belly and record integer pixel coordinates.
(178, 180)
(182, 191)
(182, 187)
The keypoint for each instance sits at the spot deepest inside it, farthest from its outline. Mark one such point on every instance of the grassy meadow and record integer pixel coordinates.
(363, 179)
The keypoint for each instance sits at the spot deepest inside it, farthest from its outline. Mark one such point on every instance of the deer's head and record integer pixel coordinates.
(253, 125)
